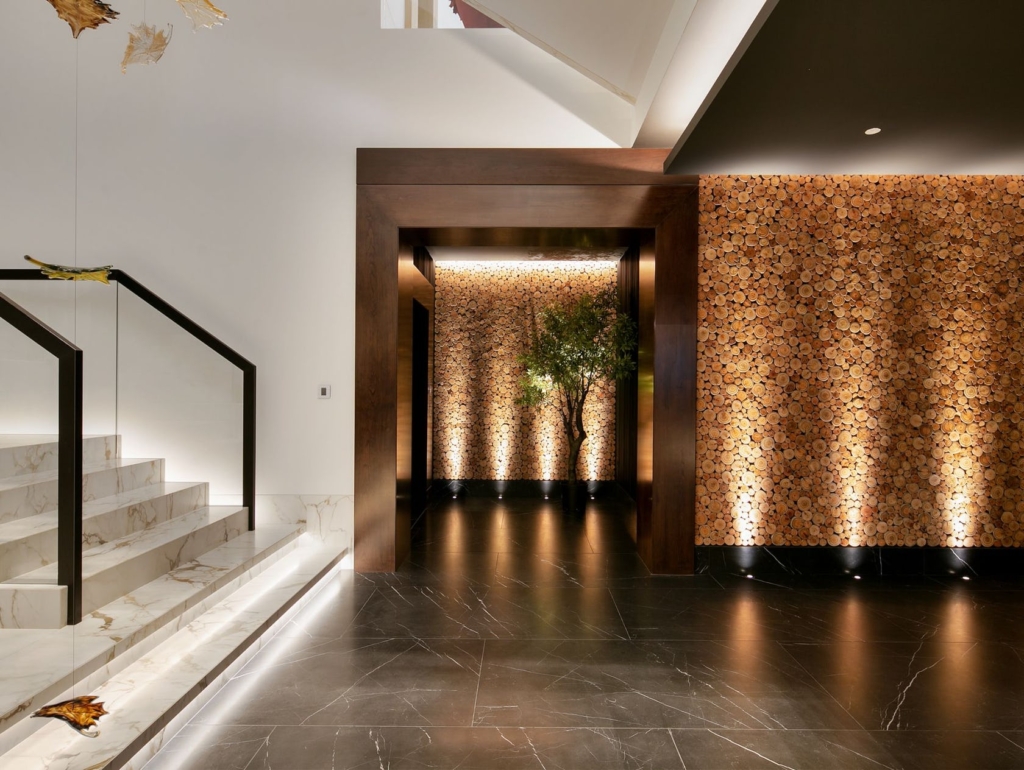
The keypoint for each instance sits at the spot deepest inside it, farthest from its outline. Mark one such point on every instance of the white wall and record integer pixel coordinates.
(224, 176)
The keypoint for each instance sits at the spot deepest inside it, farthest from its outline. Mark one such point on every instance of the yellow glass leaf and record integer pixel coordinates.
(83, 14)
(202, 13)
(146, 45)
(65, 273)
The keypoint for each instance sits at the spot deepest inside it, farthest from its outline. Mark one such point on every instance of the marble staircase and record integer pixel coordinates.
(157, 559)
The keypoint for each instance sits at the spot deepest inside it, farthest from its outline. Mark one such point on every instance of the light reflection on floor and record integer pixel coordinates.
(520, 636)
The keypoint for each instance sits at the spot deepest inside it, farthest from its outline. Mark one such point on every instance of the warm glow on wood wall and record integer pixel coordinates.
(859, 357)
(483, 316)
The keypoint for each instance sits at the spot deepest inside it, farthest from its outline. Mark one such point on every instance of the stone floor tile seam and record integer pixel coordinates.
(263, 745)
(820, 686)
(479, 679)
(629, 634)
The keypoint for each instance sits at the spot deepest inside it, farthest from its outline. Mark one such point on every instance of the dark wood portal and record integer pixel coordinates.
(414, 198)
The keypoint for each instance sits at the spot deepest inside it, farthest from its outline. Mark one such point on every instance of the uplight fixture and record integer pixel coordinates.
(873, 131)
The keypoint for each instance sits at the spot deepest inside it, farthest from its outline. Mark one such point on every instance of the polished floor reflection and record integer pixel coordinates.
(520, 637)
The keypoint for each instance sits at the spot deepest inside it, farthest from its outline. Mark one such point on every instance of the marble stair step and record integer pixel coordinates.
(112, 637)
(152, 697)
(30, 543)
(33, 493)
(119, 567)
(21, 454)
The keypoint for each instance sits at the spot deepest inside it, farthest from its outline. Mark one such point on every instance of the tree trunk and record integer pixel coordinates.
(574, 458)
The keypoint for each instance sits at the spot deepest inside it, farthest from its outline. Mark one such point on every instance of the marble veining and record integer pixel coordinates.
(140, 696)
(31, 494)
(328, 518)
(30, 543)
(565, 652)
(26, 454)
(104, 642)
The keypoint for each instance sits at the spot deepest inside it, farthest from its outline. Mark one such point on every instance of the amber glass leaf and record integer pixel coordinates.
(202, 13)
(83, 14)
(146, 45)
(80, 713)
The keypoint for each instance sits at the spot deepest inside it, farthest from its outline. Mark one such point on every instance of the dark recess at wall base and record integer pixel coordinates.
(781, 561)
(449, 488)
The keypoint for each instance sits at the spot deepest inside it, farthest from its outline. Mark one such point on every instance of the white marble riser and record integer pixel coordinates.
(150, 699)
(28, 544)
(33, 454)
(115, 636)
(117, 568)
(32, 494)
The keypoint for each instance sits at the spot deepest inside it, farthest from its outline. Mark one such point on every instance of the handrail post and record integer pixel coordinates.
(249, 444)
(69, 491)
(201, 334)
(69, 446)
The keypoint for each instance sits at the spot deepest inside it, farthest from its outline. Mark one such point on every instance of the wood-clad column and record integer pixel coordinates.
(674, 458)
(376, 414)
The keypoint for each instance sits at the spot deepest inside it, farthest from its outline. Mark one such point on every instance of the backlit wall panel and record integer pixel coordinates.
(484, 312)
(859, 361)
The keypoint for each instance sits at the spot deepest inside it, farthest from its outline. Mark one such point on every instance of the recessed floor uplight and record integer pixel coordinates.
(966, 578)
(750, 577)
(873, 131)
(856, 577)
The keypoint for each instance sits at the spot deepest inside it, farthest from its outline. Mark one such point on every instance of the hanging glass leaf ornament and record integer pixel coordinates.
(81, 714)
(202, 13)
(83, 14)
(146, 44)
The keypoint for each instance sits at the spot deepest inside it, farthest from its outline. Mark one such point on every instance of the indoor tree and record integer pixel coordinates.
(575, 345)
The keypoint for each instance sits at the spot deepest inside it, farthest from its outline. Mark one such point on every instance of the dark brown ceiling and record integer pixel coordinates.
(943, 79)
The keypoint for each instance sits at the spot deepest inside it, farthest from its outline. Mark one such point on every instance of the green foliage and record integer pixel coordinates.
(574, 346)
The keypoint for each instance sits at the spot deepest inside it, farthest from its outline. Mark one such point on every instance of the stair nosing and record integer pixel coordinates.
(93, 555)
(9, 483)
(99, 507)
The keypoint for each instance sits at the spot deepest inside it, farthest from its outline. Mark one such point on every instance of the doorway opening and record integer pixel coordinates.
(413, 201)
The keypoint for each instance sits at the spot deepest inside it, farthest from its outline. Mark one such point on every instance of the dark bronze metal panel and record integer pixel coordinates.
(412, 286)
(515, 167)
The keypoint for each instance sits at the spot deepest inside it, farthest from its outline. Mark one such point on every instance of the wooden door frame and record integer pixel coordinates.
(464, 191)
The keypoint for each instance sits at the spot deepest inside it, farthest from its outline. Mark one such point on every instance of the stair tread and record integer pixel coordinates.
(183, 664)
(22, 440)
(104, 557)
(118, 626)
(40, 477)
(41, 522)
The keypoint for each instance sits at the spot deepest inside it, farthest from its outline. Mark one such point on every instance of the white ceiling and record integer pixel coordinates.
(610, 41)
(666, 59)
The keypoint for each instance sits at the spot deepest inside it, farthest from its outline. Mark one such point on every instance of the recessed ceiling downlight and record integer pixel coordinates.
(873, 131)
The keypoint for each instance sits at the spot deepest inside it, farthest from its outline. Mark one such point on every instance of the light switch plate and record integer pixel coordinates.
(324, 391)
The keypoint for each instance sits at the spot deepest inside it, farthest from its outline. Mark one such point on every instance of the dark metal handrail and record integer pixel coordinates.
(69, 445)
(201, 334)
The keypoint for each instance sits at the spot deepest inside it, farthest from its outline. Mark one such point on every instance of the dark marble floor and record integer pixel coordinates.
(519, 637)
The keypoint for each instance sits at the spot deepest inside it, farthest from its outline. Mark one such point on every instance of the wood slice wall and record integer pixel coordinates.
(859, 361)
(483, 316)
